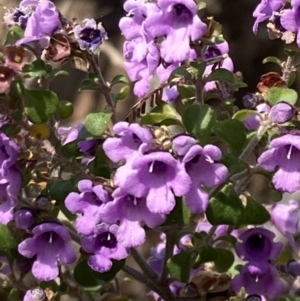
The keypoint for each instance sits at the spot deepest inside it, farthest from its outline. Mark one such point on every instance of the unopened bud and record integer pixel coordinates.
(249, 100)
(43, 202)
(281, 113)
(38, 294)
(24, 218)
(293, 268)
(254, 298)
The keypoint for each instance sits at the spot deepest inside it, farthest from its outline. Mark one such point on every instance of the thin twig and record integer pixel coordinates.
(286, 72)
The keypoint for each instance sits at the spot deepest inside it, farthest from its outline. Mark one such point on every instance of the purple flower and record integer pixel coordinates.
(182, 143)
(4, 265)
(141, 61)
(24, 218)
(105, 245)
(179, 23)
(290, 19)
(252, 122)
(257, 245)
(89, 36)
(131, 212)
(41, 24)
(201, 167)
(49, 243)
(284, 156)
(158, 177)
(293, 268)
(129, 138)
(89, 202)
(259, 278)
(286, 219)
(281, 112)
(265, 10)
(37, 294)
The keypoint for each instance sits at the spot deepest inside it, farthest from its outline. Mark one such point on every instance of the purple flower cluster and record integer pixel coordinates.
(258, 276)
(175, 23)
(10, 178)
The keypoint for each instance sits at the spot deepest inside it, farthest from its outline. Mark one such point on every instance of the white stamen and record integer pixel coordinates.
(108, 237)
(256, 279)
(209, 159)
(259, 236)
(50, 238)
(290, 152)
(135, 201)
(151, 166)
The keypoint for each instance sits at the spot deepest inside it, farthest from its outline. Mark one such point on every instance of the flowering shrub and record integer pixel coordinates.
(77, 202)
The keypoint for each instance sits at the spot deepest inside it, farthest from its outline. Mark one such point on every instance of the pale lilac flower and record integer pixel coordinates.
(259, 278)
(41, 24)
(179, 23)
(257, 245)
(36, 294)
(50, 242)
(90, 36)
(131, 212)
(182, 143)
(290, 19)
(200, 164)
(105, 245)
(281, 113)
(252, 122)
(158, 177)
(24, 218)
(284, 157)
(129, 138)
(265, 10)
(89, 202)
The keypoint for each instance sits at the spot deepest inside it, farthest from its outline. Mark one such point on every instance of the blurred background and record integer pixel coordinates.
(246, 50)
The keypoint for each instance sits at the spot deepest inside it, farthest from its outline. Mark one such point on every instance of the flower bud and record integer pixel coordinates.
(24, 218)
(249, 100)
(293, 268)
(37, 294)
(281, 113)
(43, 202)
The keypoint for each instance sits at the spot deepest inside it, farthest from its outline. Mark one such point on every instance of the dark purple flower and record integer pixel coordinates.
(141, 61)
(41, 24)
(131, 212)
(89, 202)
(265, 10)
(252, 122)
(259, 278)
(290, 19)
(286, 219)
(284, 157)
(24, 218)
(179, 23)
(293, 268)
(201, 167)
(281, 113)
(50, 242)
(90, 36)
(158, 177)
(105, 245)
(129, 137)
(258, 245)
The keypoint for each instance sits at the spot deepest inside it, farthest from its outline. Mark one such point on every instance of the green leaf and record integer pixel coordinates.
(36, 68)
(206, 254)
(276, 196)
(224, 261)
(180, 215)
(243, 114)
(198, 68)
(255, 213)
(40, 104)
(163, 111)
(180, 72)
(14, 34)
(221, 74)
(14, 295)
(186, 91)
(65, 109)
(70, 149)
(233, 164)
(110, 275)
(292, 78)
(272, 59)
(88, 84)
(276, 95)
(99, 166)
(85, 277)
(233, 132)
(60, 189)
(56, 72)
(123, 92)
(9, 237)
(199, 119)
(119, 79)
(10, 129)
(201, 5)
(97, 123)
(225, 208)
(227, 238)
(179, 266)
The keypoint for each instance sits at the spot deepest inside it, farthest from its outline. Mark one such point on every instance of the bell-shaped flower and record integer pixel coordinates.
(200, 164)
(105, 245)
(131, 212)
(265, 10)
(261, 279)
(284, 157)
(258, 245)
(129, 137)
(286, 219)
(158, 177)
(179, 23)
(50, 242)
(89, 202)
